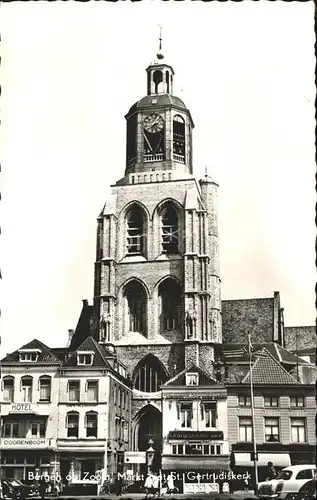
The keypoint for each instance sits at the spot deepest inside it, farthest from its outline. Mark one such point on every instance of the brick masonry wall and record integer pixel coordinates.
(254, 316)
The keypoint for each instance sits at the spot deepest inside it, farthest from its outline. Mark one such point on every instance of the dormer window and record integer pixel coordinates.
(29, 355)
(192, 378)
(85, 358)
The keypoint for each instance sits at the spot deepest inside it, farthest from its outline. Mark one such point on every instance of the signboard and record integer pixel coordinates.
(25, 443)
(135, 457)
(196, 435)
(21, 408)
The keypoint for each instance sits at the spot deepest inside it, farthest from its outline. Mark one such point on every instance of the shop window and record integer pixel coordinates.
(297, 401)
(137, 305)
(91, 424)
(298, 430)
(73, 390)
(8, 389)
(272, 429)
(72, 424)
(244, 400)
(170, 230)
(38, 429)
(192, 378)
(85, 358)
(45, 388)
(92, 390)
(186, 414)
(11, 429)
(271, 401)
(245, 429)
(149, 375)
(26, 389)
(193, 449)
(170, 295)
(135, 231)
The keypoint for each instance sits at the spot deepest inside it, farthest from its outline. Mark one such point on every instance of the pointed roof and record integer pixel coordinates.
(101, 354)
(239, 353)
(180, 378)
(45, 356)
(266, 370)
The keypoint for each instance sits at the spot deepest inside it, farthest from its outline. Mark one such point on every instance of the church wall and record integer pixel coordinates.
(171, 356)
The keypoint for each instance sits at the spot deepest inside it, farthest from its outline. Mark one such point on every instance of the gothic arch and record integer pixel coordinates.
(170, 302)
(133, 238)
(149, 374)
(168, 226)
(147, 424)
(135, 297)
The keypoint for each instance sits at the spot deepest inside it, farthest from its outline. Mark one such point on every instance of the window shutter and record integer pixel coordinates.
(178, 411)
(86, 386)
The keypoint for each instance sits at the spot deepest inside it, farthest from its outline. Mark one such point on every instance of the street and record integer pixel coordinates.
(239, 495)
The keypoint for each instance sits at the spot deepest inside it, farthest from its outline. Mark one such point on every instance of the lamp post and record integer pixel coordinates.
(150, 452)
(255, 455)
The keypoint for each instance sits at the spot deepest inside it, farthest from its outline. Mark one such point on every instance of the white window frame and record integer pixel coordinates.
(84, 356)
(68, 390)
(9, 399)
(96, 382)
(247, 429)
(38, 429)
(304, 427)
(192, 378)
(272, 426)
(11, 426)
(29, 355)
(27, 390)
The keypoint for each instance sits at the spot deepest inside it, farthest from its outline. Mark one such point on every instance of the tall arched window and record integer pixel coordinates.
(170, 230)
(136, 303)
(72, 423)
(91, 423)
(179, 139)
(135, 231)
(26, 389)
(8, 389)
(170, 298)
(149, 375)
(45, 388)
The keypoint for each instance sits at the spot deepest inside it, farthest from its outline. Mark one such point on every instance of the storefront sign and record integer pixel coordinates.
(21, 408)
(196, 435)
(25, 443)
(134, 457)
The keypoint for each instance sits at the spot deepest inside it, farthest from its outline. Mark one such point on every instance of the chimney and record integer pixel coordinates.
(70, 336)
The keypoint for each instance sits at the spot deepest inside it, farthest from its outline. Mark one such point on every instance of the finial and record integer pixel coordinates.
(206, 171)
(159, 55)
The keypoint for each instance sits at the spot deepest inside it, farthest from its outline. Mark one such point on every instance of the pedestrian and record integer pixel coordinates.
(155, 485)
(148, 485)
(271, 471)
(42, 487)
(170, 483)
(118, 486)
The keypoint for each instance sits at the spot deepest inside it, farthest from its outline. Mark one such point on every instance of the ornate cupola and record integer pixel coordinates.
(159, 130)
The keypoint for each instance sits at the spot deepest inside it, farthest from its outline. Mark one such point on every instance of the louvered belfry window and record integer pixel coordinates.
(170, 230)
(135, 228)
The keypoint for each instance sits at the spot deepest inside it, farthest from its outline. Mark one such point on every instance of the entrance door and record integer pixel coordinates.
(88, 469)
(150, 427)
(64, 470)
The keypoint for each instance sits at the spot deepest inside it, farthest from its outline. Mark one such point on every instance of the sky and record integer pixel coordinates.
(71, 71)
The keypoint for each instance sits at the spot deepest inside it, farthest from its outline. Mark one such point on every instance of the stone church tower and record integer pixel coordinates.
(157, 300)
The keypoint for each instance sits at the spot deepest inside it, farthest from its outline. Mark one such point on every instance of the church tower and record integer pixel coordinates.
(157, 297)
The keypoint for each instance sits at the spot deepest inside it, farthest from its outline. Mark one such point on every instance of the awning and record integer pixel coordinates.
(198, 462)
(278, 459)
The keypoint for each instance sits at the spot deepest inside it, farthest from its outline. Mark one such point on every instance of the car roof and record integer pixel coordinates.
(300, 466)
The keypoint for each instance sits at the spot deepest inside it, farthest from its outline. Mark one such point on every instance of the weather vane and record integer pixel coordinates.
(159, 55)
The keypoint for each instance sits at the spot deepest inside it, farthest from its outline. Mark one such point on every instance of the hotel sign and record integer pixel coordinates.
(195, 435)
(21, 408)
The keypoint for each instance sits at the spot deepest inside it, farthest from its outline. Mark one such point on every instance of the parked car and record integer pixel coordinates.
(12, 488)
(287, 483)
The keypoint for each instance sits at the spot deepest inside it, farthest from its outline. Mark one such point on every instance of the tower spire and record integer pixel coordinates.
(160, 55)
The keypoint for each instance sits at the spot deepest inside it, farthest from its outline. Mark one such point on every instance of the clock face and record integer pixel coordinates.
(153, 123)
